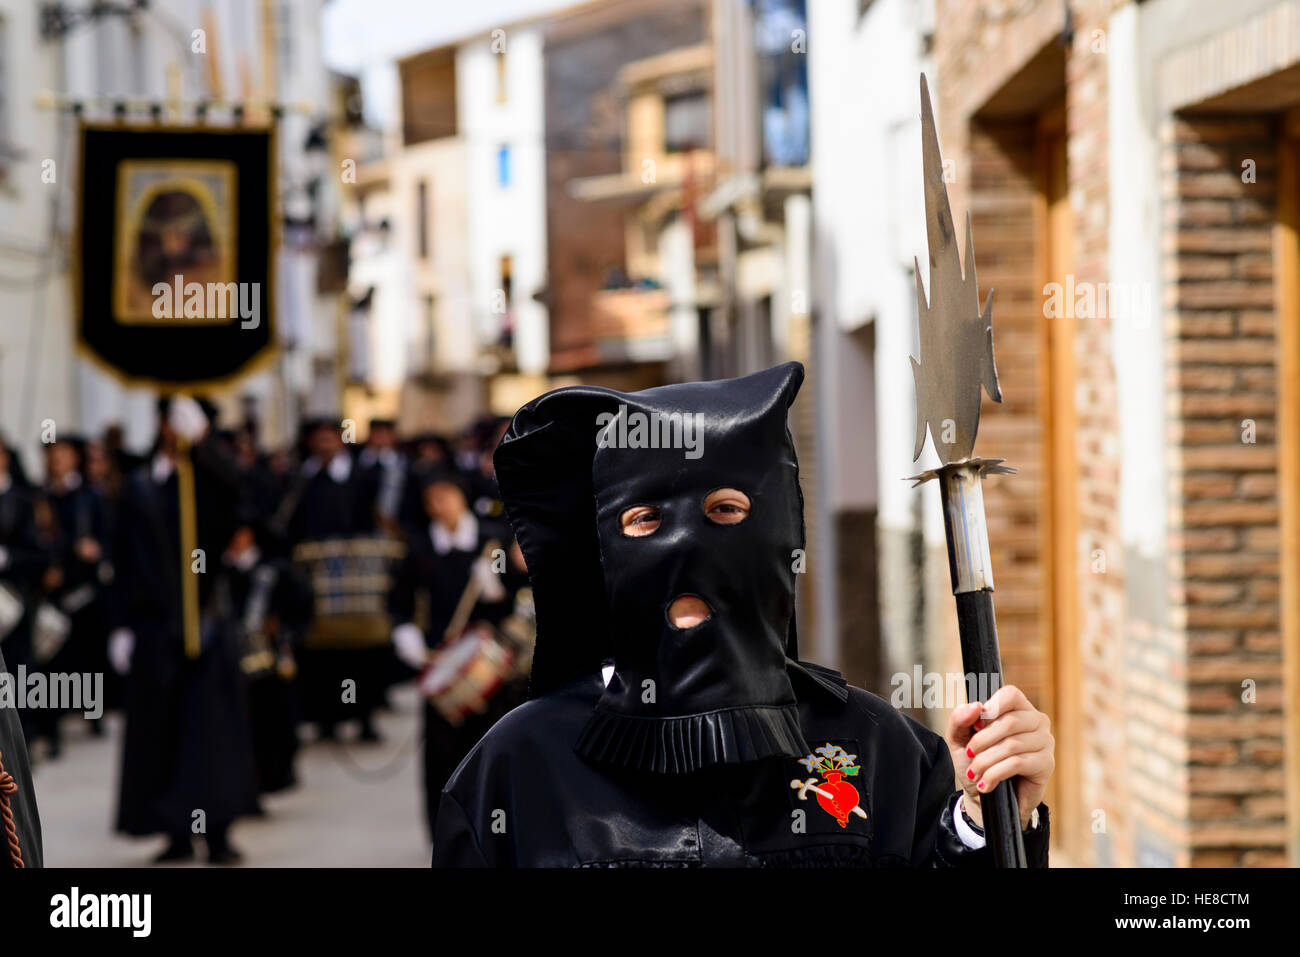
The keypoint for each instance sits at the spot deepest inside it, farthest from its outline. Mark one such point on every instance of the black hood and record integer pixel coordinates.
(572, 462)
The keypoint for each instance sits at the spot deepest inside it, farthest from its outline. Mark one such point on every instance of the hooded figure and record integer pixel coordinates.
(662, 531)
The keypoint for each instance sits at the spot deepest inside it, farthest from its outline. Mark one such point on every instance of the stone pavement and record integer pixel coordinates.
(354, 806)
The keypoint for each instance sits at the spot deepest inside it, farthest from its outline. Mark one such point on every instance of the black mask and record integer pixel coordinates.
(680, 700)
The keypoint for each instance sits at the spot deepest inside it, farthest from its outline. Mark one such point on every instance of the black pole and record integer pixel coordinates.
(980, 658)
(961, 486)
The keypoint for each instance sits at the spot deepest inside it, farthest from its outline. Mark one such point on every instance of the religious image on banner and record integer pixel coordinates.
(177, 252)
(174, 218)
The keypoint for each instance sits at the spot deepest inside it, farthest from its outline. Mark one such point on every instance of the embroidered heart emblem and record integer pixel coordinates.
(843, 797)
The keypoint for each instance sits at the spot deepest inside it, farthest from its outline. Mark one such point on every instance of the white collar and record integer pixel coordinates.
(71, 482)
(464, 539)
(388, 458)
(161, 468)
(246, 559)
(339, 469)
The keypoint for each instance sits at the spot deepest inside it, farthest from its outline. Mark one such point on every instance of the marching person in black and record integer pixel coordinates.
(453, 553)
(187, 762)
(269, 607)
(100, 472)
(75, 580)
(23, 559)
(21, 562)
(663, 531)
(384, 466)
(332, 499)
(20, 821)
(429, 454)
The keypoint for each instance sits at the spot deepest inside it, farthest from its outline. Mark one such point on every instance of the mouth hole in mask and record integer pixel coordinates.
(687, 611)
(726, 506)
(639, 521)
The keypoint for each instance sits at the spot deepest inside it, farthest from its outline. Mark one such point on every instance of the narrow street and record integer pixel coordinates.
(354, 806)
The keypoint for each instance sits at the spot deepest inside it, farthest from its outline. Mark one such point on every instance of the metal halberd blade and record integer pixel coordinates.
(956, 335)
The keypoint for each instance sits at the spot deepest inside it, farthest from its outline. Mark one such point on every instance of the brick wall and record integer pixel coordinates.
(979, 49)
(1222, 352)
(1111, 691)
(1182, 770)
(1002, 189)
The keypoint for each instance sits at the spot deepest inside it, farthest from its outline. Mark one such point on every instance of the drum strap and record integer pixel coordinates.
(469, 597)
(9, 787)
(279, 523)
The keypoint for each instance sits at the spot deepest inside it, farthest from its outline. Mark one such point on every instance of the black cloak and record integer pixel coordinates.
(16, 783)
(187, 744)
(711, 745)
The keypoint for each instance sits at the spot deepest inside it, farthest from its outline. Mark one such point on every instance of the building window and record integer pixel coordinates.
(783, 80)
(502, 87)
(426, 348)
(358, 348)
(422, 218)
(428, 84)
(686, 122)
(506, 330)
(503, 166)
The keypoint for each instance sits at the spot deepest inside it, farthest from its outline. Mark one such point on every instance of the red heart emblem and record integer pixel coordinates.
(843, 797)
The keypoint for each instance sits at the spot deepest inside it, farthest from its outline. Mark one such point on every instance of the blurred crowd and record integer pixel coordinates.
(240, 600)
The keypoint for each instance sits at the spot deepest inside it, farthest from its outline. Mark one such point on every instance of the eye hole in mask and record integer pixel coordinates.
(722, 506)
(726, 506)
(639, 520)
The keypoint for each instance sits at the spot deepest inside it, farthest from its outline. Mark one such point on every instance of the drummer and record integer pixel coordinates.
(331, 500)
(444, 555)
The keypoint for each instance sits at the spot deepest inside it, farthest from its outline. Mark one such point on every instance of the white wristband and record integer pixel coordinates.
(965, 831)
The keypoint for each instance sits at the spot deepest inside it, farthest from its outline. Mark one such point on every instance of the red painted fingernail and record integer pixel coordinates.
(979, 725)
(969, 753)
(980, 785)
(970, 773)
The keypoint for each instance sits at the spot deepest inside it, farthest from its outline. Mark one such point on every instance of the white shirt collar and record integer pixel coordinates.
(246, 559)
(161, 468)
(464, 539)
(71, 482)
(388, 458)
(340, 467)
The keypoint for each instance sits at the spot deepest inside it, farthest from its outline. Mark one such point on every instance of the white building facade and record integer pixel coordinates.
(173, 53)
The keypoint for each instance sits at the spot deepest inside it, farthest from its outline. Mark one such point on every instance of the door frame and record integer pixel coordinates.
(1287, 285)
(1059, 528)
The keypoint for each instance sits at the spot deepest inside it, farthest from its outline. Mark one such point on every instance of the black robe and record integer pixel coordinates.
(525, 798)
(187, 745)
(273, 693)
(317, 508)
(22, 803)
(78, 513)
(442, 579)
(27, 558)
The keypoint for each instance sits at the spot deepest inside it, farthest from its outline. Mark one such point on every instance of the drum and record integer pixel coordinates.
(462, 680)
(350, 580)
